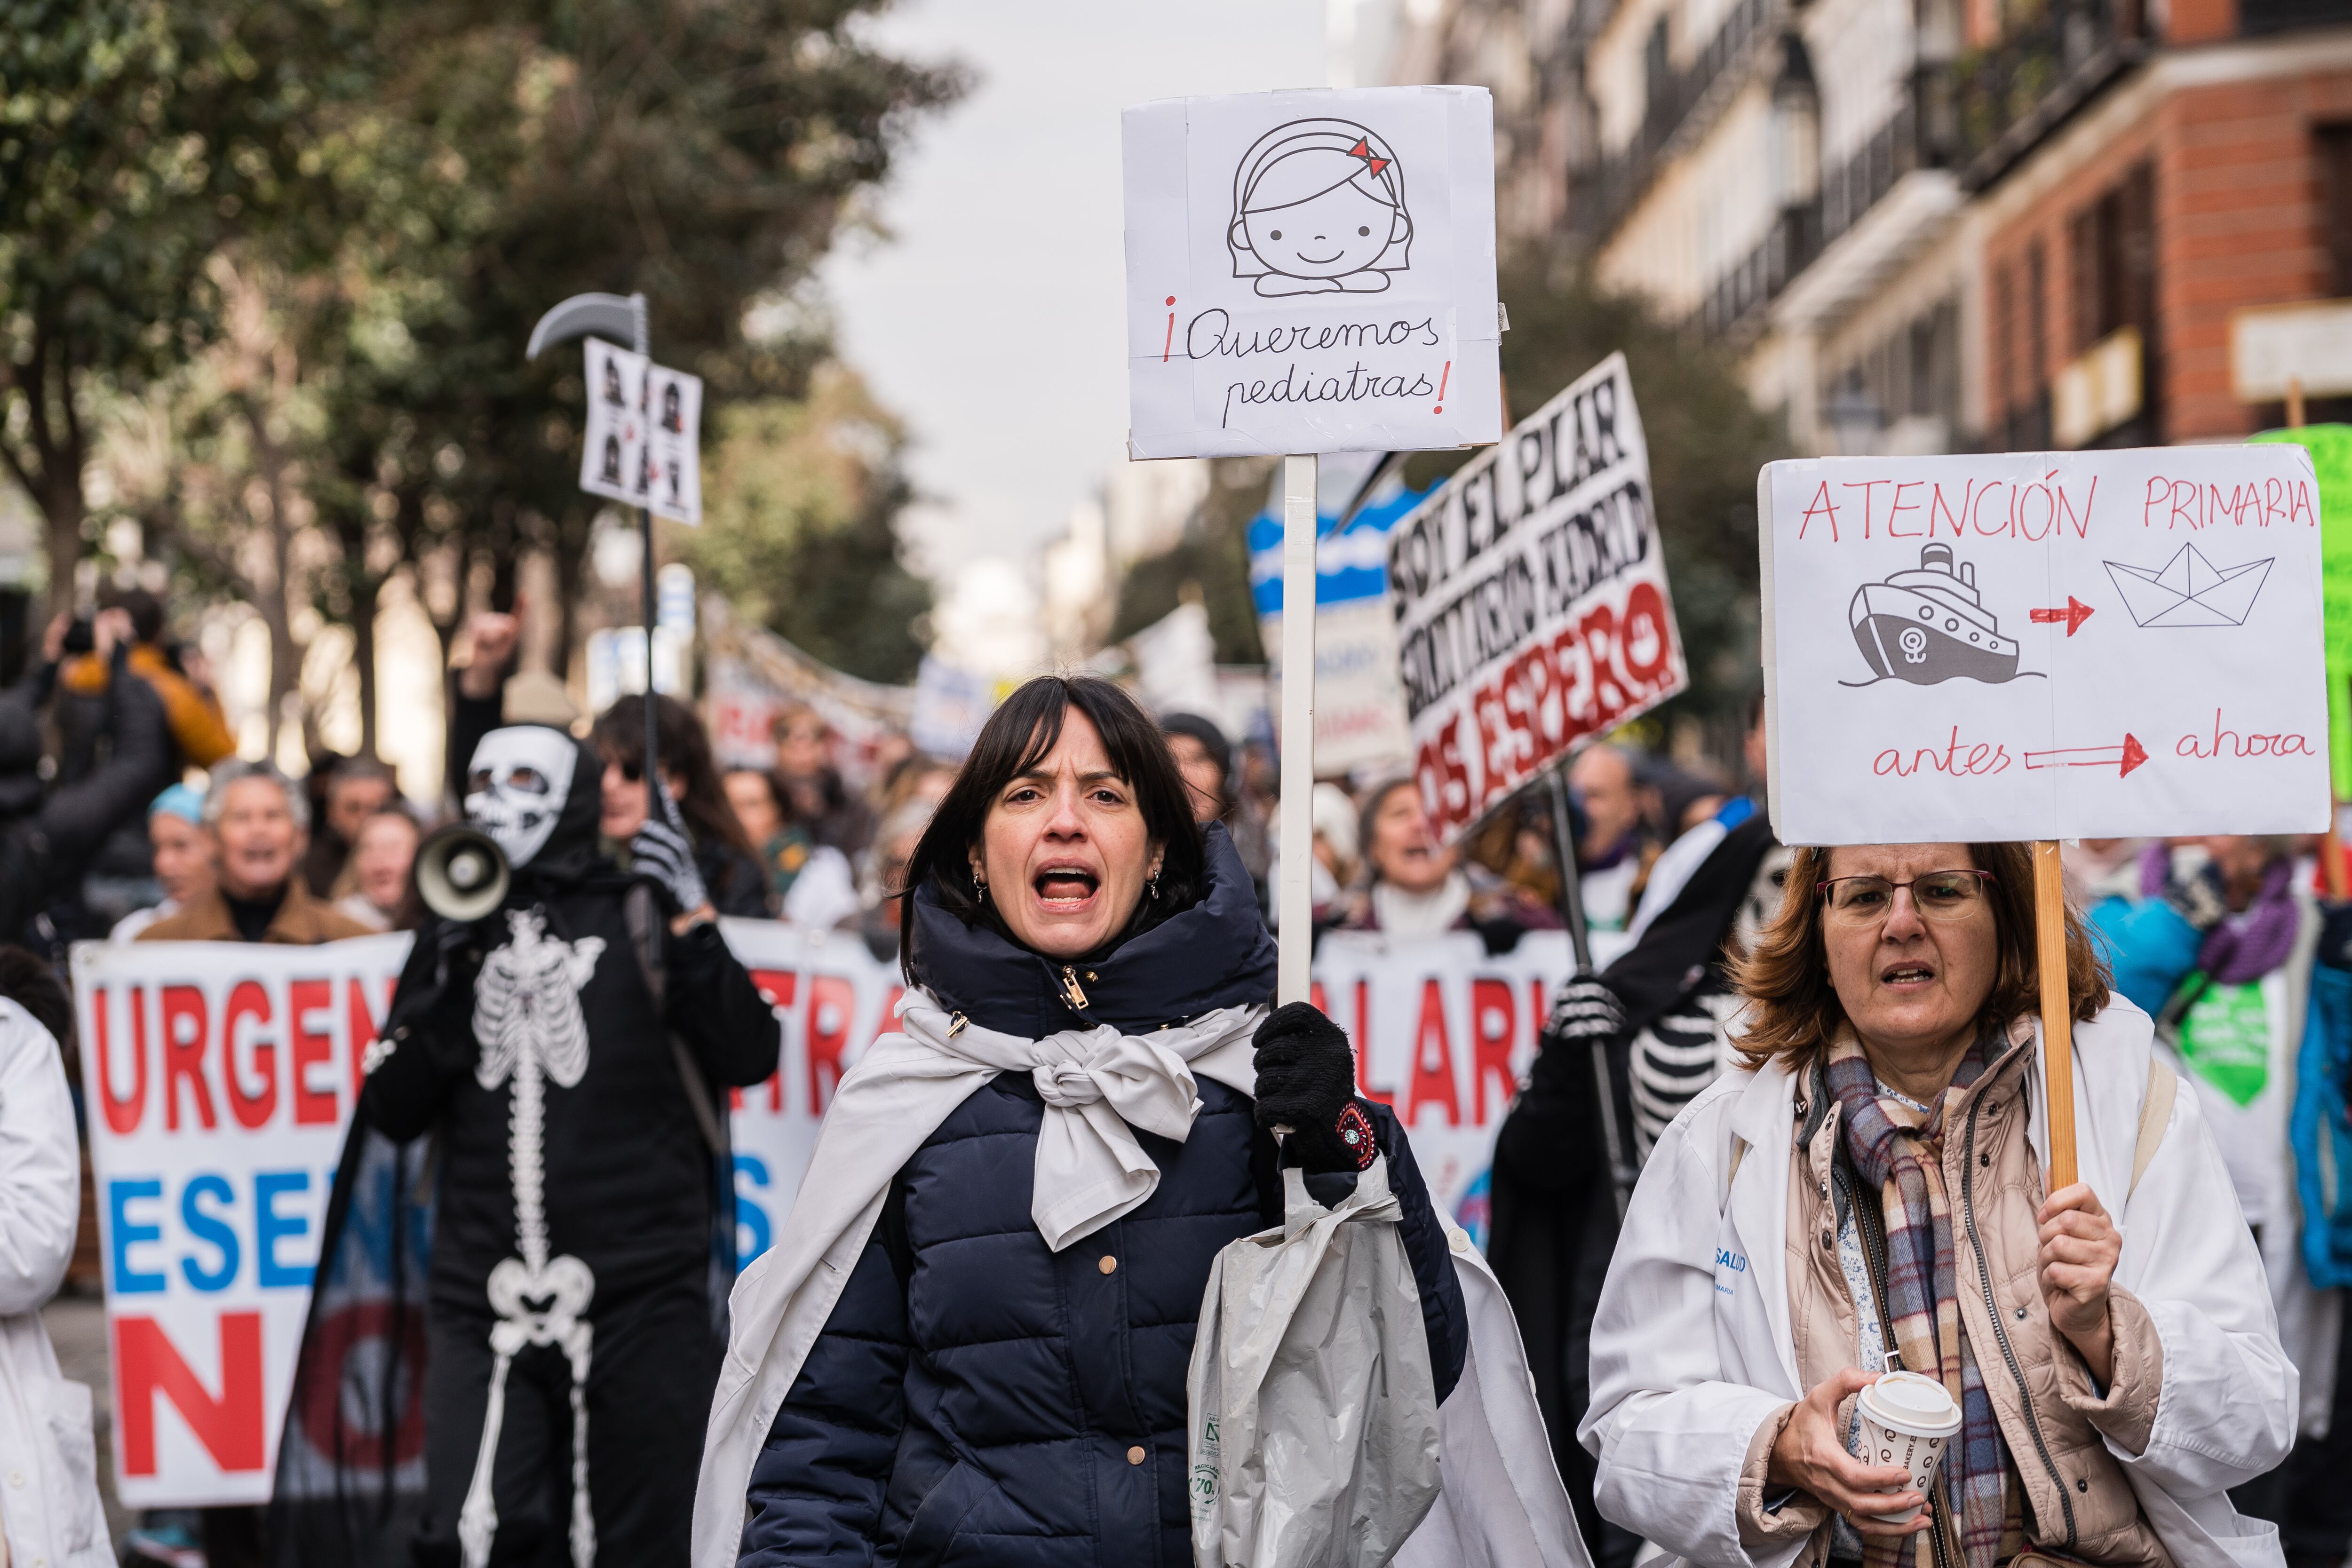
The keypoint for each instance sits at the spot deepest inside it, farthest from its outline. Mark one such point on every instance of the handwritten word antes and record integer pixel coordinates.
(1211, 334)
(1358, 386)
(2224, 742)
(1958, 758)
(1919, 508)
(2178, 502)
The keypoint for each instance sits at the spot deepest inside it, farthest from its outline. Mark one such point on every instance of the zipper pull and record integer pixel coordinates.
(1077, 998)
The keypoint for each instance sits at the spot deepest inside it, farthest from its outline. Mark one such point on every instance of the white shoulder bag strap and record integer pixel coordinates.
(2155, 1114)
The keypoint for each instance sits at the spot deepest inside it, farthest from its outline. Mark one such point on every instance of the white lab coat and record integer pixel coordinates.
(49, 1508)
(1692, 1349)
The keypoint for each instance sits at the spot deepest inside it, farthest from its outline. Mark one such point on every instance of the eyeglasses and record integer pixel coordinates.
(1938, 895)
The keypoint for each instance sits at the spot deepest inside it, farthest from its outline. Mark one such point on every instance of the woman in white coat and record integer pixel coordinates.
(49, 1510)
(1869, 1193)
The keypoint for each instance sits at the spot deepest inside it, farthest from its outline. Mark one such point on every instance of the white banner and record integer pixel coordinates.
(220, 1079)
(1530, 599)
(2044, 645)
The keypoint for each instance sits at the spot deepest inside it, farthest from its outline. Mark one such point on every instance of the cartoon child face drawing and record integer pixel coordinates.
(1318, 208)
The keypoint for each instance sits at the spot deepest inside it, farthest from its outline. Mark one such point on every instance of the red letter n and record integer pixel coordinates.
(146, 1364)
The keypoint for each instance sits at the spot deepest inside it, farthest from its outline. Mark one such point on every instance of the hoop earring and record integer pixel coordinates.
(1152, 888)
(979, 886)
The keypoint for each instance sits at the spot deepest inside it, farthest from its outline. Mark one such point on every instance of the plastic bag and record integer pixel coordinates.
(1313, 1411)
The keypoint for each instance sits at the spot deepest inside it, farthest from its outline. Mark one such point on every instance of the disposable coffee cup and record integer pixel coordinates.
(1906, 1420)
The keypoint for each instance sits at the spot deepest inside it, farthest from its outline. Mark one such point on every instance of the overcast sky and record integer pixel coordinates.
(990, 319)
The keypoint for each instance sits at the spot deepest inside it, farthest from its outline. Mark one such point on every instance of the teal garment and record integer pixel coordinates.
(2149, 945)
(2319, 1129)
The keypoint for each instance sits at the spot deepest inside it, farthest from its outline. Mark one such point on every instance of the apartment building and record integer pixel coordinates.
(1933, 224)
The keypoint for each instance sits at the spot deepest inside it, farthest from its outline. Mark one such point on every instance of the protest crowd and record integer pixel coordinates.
(1508, 1078)
(155, 834)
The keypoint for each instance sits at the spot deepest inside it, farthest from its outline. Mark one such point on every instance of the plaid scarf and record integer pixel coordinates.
(1894, 1152)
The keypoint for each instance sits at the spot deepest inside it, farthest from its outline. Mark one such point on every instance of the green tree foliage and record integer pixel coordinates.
(797, 527)
(1707, 440)
(137, 137)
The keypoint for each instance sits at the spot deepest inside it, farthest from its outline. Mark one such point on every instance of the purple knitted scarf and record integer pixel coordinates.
(2248, 946)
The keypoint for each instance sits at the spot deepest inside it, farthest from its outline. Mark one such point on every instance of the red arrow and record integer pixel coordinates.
(2074, 614)
(2126, 758)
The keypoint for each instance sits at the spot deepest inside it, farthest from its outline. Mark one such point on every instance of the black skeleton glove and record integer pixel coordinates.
(662, 851)
(1585, 1010)
(1307, 1082)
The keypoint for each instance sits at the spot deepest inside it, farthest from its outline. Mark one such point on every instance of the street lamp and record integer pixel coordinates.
(1852, 418)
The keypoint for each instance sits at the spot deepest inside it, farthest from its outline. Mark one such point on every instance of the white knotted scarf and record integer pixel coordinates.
(1099, 1086)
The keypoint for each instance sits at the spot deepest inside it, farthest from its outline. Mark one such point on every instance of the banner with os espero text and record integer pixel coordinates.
(1530, 599)
(220, 1079)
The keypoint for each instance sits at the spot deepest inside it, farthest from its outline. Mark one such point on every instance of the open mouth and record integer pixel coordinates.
(1907, 975)
(1062, 888)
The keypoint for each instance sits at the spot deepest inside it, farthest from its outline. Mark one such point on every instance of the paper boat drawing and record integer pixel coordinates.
(1930, 626)
(2189, 591)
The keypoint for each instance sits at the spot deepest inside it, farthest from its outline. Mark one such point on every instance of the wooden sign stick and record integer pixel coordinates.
(2057, 1007)
(1294, 907)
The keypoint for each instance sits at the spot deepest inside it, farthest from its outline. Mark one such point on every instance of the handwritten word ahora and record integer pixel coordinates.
(2224, 742)
(1920, 509)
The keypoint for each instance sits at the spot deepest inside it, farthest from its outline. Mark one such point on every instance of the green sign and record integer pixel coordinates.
(2331, 456)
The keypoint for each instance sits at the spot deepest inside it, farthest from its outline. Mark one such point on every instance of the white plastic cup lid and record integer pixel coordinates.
(1911, 1402)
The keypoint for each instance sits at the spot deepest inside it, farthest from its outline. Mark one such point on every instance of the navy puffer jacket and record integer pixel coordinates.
(977, 1399)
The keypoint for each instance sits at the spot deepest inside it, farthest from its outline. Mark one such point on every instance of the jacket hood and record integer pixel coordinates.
(1215, 954)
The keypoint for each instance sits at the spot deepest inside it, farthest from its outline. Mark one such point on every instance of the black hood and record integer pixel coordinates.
(1215, 954)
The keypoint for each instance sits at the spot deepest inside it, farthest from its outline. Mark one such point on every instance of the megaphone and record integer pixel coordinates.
(461, 874)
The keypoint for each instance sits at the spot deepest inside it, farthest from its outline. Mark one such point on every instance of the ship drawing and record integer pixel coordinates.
(1929, 624)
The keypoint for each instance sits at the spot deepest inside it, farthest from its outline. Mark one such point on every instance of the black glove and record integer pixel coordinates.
(662, 851)
(1307, 1082)
(440, 1010)
(2199, 897)
(1585, 1010)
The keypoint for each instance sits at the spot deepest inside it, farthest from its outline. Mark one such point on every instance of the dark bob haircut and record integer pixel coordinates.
(1019, 736)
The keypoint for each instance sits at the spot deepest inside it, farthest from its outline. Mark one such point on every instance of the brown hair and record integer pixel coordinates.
(1793, 1013)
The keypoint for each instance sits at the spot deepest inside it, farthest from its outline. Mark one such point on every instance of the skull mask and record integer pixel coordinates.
(517, 787)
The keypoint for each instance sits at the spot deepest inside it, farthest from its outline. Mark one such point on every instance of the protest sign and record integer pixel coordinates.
(1311, 272)
(2044, 645)
(643, 441)
(1530, 599)
(1359, 702)
(219, 1079)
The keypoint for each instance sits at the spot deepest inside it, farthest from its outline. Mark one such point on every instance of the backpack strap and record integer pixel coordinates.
(2155, 1115)
(646, 936)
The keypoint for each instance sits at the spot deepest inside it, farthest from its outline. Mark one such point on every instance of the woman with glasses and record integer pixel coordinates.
(1869, 1194)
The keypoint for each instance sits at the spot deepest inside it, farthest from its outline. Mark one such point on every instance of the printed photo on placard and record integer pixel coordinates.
(1311, 272)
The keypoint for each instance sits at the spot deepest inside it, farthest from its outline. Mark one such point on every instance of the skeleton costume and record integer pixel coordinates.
(564, 1052)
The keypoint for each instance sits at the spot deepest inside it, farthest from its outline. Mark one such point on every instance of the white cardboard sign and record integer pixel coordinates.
(1530, 599)
(1311, 272)
(2043, 645)
(644, 423)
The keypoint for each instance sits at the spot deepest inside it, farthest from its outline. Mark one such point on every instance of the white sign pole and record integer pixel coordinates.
(1296, 934)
